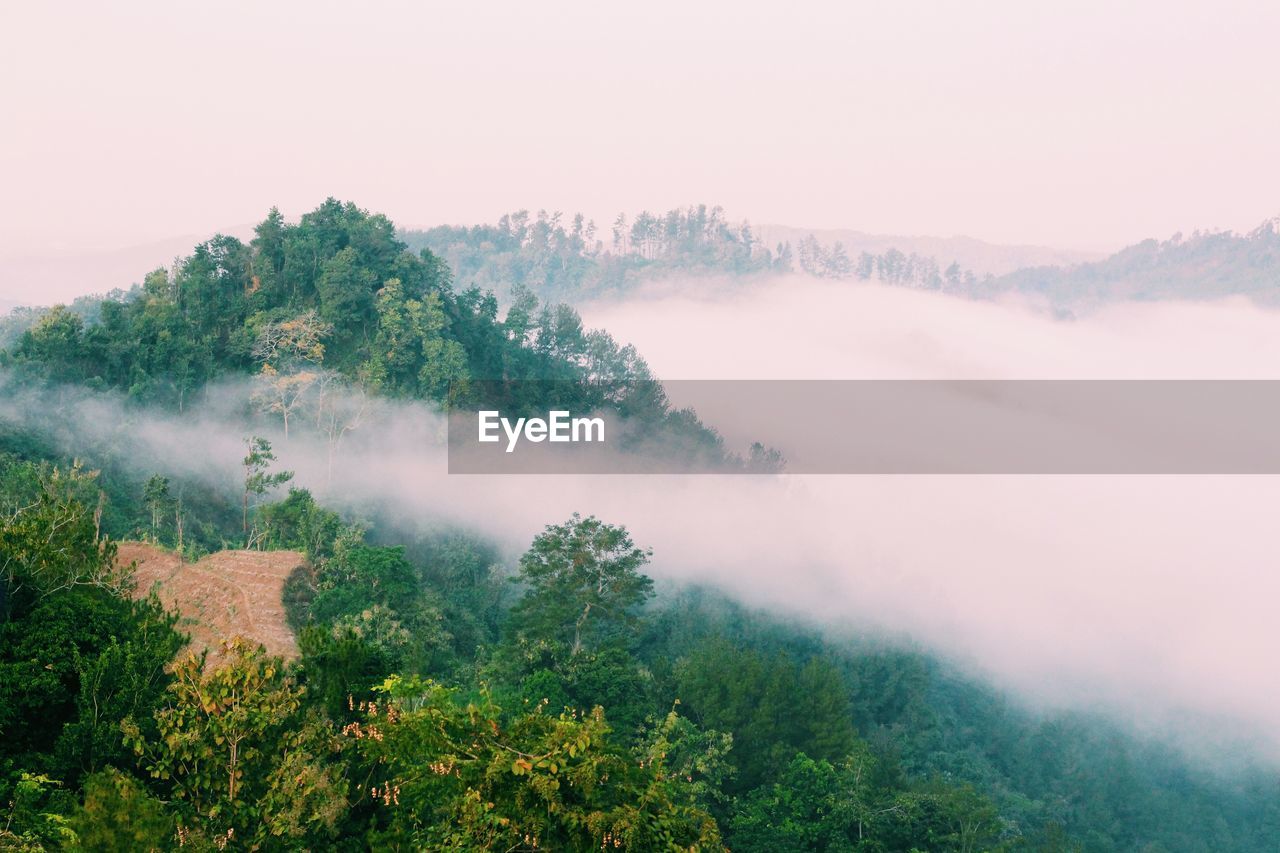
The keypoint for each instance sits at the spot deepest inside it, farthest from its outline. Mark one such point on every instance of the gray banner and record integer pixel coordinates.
(891, 427)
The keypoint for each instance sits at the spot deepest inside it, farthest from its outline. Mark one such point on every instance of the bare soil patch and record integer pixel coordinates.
(227, 594)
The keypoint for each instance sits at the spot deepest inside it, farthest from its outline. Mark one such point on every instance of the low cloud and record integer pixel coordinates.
(1150, 597)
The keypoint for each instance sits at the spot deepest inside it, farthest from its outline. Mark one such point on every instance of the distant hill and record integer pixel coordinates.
(977, 256)
(569, 258)
(561, 258)
(1206, 265)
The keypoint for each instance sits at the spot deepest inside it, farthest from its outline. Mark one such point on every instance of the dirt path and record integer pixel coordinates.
(223, 595)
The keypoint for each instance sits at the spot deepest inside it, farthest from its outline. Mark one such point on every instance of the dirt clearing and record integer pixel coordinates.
(222, 595)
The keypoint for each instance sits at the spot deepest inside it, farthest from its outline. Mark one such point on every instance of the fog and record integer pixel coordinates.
(1149, 597)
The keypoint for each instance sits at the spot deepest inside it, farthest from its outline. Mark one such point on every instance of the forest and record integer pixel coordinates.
(542, 254)
(557, 261)
(446, 695)
(1201, 265)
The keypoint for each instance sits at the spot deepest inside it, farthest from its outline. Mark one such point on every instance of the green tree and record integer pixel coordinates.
(299, 522)
(53, 543)
(239, 753)
(119, 815)
(454, 775)
(156, 496)
(412, 350)
(258, 478)
(945, 817)
(810, 808)
(821, 806)
(55, 341)
(699, 757)
(346, 293)
(76, 655)
(36, 817)
(124, 676)
(584, 586)
(772, 707)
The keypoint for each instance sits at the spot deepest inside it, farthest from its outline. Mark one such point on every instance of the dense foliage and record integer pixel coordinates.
(439, 705)
(329, 311)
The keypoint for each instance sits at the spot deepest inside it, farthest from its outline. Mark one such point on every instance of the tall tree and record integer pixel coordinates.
(584, 585)
(258, 478)
(156, 496)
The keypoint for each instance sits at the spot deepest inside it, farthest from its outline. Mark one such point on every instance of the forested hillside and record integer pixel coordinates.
(448, 696)
(559, 260)
(1205, 265)
(545, 255)
(335, 307)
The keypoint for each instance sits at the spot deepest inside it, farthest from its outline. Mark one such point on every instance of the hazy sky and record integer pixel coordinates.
(1075, 124)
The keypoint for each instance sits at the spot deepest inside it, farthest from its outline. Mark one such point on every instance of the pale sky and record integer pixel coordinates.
(1079, 124)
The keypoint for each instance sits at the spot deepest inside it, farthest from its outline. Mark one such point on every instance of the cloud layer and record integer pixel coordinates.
(1152, 597)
